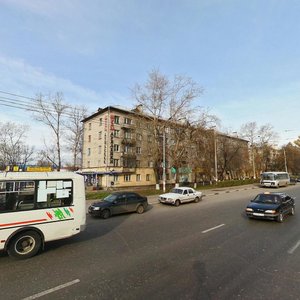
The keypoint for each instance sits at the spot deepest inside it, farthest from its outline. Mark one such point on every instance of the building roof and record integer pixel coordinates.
(135, 111)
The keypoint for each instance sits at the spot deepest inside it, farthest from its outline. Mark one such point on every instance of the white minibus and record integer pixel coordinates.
(37, 207)
(274, 179)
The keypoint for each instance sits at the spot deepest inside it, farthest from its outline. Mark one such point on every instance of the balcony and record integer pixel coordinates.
(129, 141)
(128, 170)
(128, 155)
(127, 127)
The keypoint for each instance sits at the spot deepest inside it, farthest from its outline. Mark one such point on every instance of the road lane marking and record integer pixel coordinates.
(213, 228)
(292, 250)
(62, 286)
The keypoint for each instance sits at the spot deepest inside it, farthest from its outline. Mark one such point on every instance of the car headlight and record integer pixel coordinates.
(96, 208)
(270, 211)
(249, 209)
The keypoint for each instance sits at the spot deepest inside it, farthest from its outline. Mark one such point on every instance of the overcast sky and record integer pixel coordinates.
(245, 54)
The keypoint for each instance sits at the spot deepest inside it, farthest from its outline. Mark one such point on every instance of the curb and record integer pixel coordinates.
(218, 193)
(225, 191)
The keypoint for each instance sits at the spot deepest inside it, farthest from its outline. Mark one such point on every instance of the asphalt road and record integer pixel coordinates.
(208, 250)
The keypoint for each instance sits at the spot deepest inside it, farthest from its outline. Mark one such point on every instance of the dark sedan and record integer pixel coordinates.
(118, 203)
(273, 206)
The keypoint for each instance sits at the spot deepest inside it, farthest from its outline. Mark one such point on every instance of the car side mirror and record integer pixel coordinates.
(252, 200)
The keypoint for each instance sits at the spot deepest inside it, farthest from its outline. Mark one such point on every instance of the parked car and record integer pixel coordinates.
(180, 195)
(118, 203)
(273, 206)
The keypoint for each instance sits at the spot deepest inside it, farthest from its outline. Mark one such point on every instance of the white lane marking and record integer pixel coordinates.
(213, 228)
(291, 250)
(62, 286)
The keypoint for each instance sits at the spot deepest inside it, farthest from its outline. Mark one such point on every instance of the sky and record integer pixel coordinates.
(244, 54)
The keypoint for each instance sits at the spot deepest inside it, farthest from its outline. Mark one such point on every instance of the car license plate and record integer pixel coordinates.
(258, 214)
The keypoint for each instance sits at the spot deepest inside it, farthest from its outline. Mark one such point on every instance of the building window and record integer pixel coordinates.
(138, 163)
(127, 178)
(127, 121)
(116, 148)
(138, 150)
(116, 133)
(116, 162)
(127, 135)
(99, 149)
(100, 135)
(139, 137)
(89, 138)
(100, 122)
(150, 164)
(116, 120)
(116, 178)
(138, 177)
(148, 176)
(89, 151)
(149, 138)
(90, 126)
(126, 149)
(89, 164)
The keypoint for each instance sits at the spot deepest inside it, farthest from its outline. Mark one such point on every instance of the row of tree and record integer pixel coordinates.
(64, 122)
(187, 132)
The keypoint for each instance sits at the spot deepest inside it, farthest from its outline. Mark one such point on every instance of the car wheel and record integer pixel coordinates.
(140, 209)
(196, 199)
(25, 245)
(292, 211)
(105, 214)
(177, 203)
(280, 217)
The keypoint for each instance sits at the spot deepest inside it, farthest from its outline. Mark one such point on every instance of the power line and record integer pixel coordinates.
(32, 102)
(30, 105)
(30, 98)
(13, 104)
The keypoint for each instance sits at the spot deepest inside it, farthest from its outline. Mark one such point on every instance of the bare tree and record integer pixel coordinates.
(75, 133)
(232, 156)
(51, 113)
(13, 150)
(261, 140)
(164, 100)
(201, 150)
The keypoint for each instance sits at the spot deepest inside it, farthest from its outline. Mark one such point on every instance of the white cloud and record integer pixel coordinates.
(20, 78)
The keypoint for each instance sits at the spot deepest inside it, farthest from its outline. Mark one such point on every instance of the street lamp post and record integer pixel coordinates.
(215, 150)
(164, 160)
(253, 162)
(285, 163)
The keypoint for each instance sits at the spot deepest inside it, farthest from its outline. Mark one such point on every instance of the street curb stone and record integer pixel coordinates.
(154, 200)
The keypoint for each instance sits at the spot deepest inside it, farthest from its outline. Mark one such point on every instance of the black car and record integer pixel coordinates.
(118, 203)
(273, 206)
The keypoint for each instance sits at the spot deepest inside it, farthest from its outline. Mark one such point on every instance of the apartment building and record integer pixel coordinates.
(118, 151)
(115, 149)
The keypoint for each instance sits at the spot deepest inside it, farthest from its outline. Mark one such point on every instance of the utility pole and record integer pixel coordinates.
(253, 161)
(164, 160)
(216, 161)
(285, 163)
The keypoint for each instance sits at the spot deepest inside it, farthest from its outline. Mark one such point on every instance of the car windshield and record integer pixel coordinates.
(267, 198)
(177, 191)
(110, 198)
(267, 176)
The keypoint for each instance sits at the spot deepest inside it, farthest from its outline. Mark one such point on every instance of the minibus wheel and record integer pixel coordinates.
(24, 245)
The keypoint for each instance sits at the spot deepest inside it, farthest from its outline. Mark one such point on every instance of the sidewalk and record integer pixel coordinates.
(153, 199)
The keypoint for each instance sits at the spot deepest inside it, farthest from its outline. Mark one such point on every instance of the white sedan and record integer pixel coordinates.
(180, 195)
